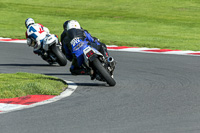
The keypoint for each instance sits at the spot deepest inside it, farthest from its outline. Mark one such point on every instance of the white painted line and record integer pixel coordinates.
(17, 41)
(7, 107)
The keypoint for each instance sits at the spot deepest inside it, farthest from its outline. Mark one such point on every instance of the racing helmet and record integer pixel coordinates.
(73, 24)
(28, 22)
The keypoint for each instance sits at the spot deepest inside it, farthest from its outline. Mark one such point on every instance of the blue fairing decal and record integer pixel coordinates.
(34, 36)
(32, 29)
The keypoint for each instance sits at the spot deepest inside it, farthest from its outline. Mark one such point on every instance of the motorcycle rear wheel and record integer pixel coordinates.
(104, 73)
(61, 59)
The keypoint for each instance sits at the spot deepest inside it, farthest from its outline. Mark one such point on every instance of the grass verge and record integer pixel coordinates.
(23, 84)
(169, 24)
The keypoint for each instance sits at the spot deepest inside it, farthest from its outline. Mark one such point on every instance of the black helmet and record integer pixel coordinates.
(65, 24)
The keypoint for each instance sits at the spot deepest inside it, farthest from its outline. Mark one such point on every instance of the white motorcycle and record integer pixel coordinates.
(51, 51)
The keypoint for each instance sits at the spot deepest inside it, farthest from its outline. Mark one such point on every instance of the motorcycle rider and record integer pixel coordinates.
(35, 34)
(73, 33)
(42, 42)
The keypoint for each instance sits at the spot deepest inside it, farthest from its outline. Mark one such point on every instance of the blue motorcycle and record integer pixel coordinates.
(101, 68)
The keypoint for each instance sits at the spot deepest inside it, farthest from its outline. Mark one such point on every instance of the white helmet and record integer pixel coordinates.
(73, 24)
(29, 21)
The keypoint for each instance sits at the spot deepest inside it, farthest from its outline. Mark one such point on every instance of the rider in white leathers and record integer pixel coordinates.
(35, 34)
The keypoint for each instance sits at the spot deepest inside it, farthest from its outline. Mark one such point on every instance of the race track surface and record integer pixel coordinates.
(155, 93)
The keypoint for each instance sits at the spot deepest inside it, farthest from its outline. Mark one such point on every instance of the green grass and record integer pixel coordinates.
(172, 24)
(23, 84)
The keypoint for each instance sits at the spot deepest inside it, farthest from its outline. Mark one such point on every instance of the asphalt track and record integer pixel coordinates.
(155, 93)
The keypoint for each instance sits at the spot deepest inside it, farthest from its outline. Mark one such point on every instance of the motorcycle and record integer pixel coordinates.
(51, 51)
(101, 69)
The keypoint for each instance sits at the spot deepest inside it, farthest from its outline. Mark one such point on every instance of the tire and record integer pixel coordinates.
(61, 59)
(104, 73)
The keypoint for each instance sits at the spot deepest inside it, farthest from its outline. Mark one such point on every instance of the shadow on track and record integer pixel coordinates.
(30, 65)
(90, 84)
(54, 74)
(79, 84)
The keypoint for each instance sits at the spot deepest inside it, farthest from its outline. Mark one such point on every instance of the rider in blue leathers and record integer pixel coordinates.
(74, 38)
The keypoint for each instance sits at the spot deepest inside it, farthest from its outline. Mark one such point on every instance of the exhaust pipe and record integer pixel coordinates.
(111, 61)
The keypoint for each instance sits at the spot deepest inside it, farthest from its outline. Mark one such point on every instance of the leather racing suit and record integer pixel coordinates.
(73, 35)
